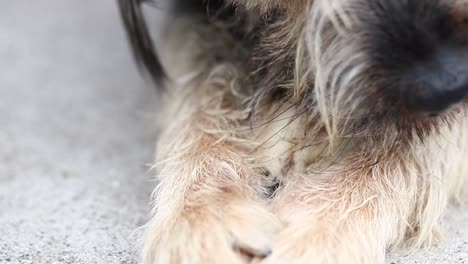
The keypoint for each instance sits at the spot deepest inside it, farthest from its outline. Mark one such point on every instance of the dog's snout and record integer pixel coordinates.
(424, 53)
(438, 81)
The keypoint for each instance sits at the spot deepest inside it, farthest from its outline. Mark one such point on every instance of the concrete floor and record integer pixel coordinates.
(76, 135)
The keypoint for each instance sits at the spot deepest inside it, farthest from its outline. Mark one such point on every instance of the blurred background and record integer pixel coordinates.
(76, 137)
(76, 134)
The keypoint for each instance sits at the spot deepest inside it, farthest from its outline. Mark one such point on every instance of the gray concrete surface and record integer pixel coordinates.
(76, 133)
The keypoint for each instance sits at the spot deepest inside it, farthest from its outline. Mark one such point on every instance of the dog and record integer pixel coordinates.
(304, 131)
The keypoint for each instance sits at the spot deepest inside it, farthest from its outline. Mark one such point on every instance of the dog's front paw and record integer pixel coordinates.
(295, 245)
(325, 238)
(318, 242)
(236, 233)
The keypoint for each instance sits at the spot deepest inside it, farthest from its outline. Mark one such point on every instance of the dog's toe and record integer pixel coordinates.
(237, 233)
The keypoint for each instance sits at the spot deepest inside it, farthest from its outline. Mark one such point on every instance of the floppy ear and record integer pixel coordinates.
(140, 40)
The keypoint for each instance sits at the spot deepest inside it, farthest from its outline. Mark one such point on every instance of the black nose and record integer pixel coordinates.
(422, 51)
(438, 81)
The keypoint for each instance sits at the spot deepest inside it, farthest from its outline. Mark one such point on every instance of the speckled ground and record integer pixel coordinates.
(76, 135)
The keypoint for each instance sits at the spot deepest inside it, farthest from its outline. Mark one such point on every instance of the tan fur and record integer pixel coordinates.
(334, 216)
(206, 204)
(292, 6)
(346, 198)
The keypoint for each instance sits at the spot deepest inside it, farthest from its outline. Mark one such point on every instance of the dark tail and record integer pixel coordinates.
(140, 40)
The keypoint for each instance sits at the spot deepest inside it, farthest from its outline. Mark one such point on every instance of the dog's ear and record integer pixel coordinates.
(140, 40)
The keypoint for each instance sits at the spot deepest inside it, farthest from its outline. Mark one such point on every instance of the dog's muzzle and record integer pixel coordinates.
(439, 81)
(422, 49)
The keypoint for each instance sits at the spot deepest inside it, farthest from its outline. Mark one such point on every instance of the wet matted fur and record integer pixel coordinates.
(305, 131)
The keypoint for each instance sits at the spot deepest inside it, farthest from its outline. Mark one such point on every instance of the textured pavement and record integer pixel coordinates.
(76, 135)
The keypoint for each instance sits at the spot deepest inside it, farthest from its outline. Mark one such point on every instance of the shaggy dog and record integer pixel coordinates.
(304, 131)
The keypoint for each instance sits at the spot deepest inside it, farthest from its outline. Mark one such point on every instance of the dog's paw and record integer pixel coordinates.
(318, 242)
(295, 247)
(236, 233)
